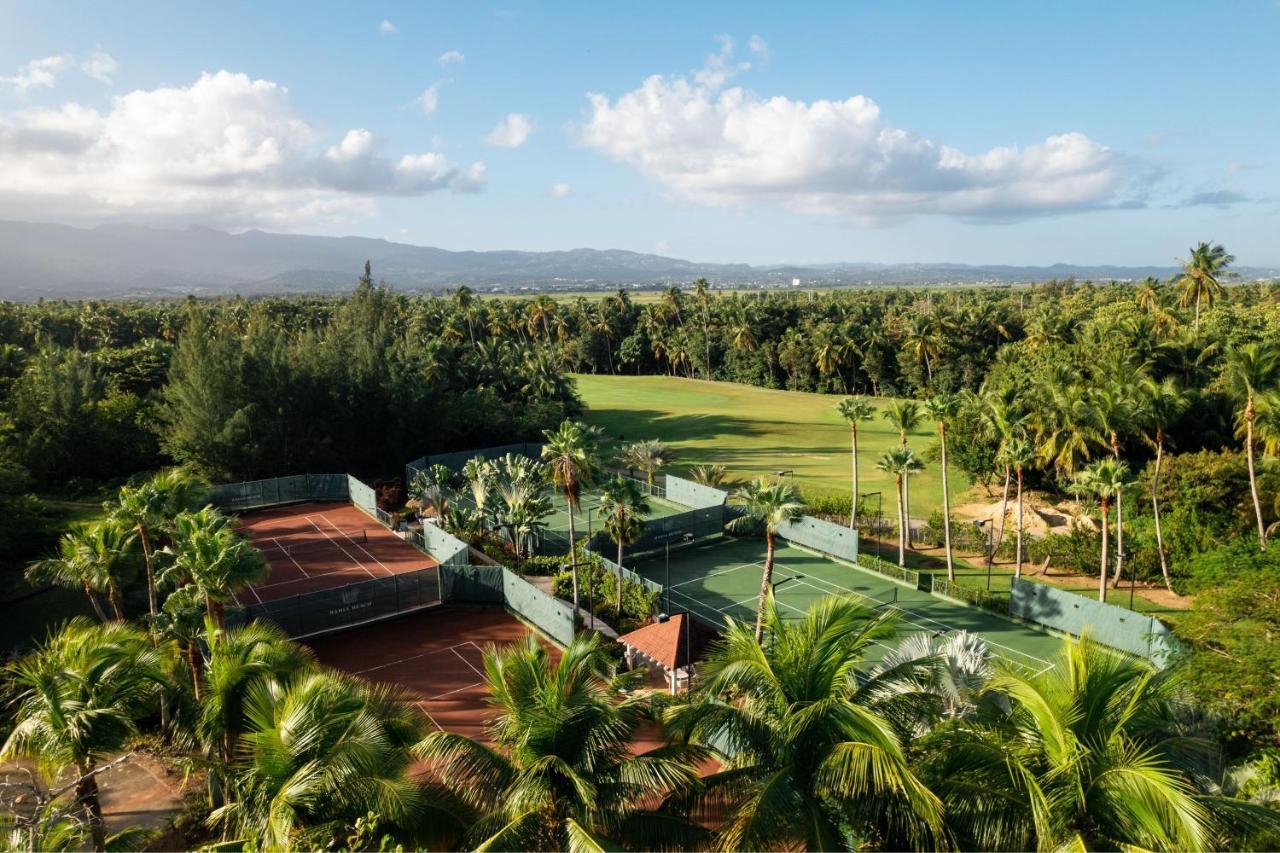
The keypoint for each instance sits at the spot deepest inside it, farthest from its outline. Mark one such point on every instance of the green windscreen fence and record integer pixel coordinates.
(298, 488)
(831, 539)
(448, 550)
(455, 460)
(1118, 627)
(323, 611)
(689, 493)
(500, 585)
(612, 568)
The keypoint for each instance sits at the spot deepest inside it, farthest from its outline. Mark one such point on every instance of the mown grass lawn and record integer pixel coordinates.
(756, 431)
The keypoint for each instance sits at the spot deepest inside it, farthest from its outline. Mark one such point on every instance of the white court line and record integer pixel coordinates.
(350, 557)
(458, 690)
(341, 571)
(719, 572)
(353, 542)
(409, 658)
(467, 662)
(422, 706)
(280, 545)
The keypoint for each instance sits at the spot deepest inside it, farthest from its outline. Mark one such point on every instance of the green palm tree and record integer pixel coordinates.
(80, 697)
(900, 463)
(854, 410)
(563, 774)
(1103, 481)
(770, 505)
(150, 508)
(1251, 370)
(1018, 453)
(570, 454)
(1091, 757)
(208, 552)
(1198, 284)
(623, 507)
(649, 456)
(182, 620)
(1117, 407)
(806, 762)
(709, 475)
(73, 567)
(904, 416)
(943, 408)
(1164, 401)
(320, 751)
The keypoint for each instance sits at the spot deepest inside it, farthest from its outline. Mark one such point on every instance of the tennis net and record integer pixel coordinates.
(337, 540)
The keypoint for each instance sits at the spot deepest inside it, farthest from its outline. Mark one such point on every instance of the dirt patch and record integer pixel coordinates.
(1040, 516)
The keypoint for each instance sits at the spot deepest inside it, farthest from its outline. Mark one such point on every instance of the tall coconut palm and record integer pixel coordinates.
(209, 553)
(1117, 409)
(900, 463)
(770, 505)
(623, 507)
(563, 774)
(320, 751)
(1018, 453)
(904, 416)
(149, 508)
(1004, 418)
(79, 699)
(854, 410)
(1198, 284)
(1164, 402)
(1251, 370)
(1091, 757)
(649, 456)
(943, 408)
(807, 764)
(1102, 481)
(570, 454)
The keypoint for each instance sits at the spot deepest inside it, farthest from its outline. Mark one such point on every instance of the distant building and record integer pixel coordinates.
(795, 282)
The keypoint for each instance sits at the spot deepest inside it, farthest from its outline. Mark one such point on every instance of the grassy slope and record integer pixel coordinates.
(754, 431)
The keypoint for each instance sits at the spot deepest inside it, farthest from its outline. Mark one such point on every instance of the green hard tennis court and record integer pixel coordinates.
(721, 577)
(587, 517)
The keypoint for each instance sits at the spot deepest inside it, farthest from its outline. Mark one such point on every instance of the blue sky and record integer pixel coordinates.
(890, 132)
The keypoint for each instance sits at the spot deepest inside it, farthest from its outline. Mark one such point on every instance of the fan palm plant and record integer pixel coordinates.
(320, 751)
(943, 408)
(709, 475)
(649, 456)
(623, 507)
(854, 410)
(1091, 757)
(805, 762)
(570, 454)
(80, 696)
(563, 774)
(74, 567)
(770, 505)
(1251, 370)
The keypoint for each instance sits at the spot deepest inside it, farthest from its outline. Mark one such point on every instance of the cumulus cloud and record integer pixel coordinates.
(561, 190)
(718, 145)
(387, 28)
(226, 150)
(759, 47)
(1215, 198)
(450, 57)
(512, 132)
(100, 65)
(37, 74)
(429, 99)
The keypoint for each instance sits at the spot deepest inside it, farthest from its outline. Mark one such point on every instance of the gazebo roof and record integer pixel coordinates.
(671, 644)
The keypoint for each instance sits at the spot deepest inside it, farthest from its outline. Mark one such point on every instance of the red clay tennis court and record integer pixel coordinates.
(312, 547)
(435, 656)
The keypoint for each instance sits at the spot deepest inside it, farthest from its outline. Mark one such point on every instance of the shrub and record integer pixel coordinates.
(599, 587)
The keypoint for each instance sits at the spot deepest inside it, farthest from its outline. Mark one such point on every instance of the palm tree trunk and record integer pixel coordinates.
(214, 609)
(149, 559)
(1017, 560)
(1253, 476)
(97, 605)
(1115, 577)
(573, 554)
(766, 583)
(902, 536)
(1102, 576)
(113, 597)
(946, 502)
(1004, 510)
(906, 509)
(1155, 509)
(619, 602)
(853, 509)
(196, 663)
(87, 795)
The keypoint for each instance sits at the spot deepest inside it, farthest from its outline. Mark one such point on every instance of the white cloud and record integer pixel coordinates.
(100, 65)
(226, 150)
(662, 247)
(561, 190)
(387, 28)
(714, 145)
(450, 57)
(37, 74)
(759, 47)
(429, 99)
(512, 132)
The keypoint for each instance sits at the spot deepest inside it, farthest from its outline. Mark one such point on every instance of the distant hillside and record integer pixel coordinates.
(123, 260)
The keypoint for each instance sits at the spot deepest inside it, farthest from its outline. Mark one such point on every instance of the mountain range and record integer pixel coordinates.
(51, 261)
